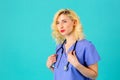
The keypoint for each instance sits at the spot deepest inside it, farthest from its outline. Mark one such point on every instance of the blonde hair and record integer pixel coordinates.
(78, 28)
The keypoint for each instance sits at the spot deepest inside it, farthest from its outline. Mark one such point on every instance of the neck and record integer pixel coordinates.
(70, 39)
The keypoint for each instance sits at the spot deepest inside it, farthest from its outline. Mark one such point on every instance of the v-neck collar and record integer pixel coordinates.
(70, 48)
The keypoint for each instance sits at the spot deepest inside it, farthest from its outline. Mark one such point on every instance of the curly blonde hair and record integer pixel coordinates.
(78, 28)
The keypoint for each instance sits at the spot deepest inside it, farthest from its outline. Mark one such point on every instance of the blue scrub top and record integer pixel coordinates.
(86, 54)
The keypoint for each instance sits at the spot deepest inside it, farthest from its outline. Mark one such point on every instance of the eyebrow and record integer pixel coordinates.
(62, 20)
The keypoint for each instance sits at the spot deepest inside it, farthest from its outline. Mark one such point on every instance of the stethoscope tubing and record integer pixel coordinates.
(66, 66)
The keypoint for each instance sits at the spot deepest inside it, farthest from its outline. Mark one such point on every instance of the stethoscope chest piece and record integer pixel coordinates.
(65, 68)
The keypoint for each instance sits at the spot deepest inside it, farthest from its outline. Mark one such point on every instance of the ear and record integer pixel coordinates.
(75, 22)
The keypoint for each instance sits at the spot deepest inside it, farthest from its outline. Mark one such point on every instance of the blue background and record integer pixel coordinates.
(26, 42)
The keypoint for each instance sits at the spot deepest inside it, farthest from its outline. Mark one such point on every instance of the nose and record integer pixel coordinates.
(61, 25)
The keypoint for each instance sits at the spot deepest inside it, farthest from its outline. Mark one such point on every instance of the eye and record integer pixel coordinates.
(57, 22)
(64, 21)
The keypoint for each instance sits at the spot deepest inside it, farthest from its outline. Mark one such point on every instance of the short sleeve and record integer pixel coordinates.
(91, 55)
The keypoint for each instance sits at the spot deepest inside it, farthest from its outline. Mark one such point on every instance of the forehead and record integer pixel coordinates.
(63, 17)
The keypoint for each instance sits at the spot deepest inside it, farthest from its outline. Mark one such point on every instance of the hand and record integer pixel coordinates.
(72, 58)
(51, 60)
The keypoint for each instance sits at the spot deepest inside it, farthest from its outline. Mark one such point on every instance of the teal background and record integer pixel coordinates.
(26, 42)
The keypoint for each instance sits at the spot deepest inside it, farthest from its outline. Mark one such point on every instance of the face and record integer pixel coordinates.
(65, 25)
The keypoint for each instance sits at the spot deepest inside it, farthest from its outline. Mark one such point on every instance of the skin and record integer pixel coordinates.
(67, 24)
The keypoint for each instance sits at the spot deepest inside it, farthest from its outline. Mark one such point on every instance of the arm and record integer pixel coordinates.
(90, 71)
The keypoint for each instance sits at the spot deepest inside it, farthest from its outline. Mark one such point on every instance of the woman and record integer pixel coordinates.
(76, 58)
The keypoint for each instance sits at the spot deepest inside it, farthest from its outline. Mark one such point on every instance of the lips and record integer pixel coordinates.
(62, 31)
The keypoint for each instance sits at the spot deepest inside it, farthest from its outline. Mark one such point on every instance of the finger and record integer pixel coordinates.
(54, 55)
(74, 53)
(53, 61)
(52, 58)
(70, 53)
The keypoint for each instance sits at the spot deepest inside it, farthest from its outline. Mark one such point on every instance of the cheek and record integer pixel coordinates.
(70, 27)
(58, 28)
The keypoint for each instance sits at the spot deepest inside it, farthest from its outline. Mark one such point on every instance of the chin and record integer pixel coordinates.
(63, 34)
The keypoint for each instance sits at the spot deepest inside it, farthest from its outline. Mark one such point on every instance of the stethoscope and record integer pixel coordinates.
(66, 66)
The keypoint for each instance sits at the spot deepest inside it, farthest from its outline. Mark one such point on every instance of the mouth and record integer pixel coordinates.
(62, 31)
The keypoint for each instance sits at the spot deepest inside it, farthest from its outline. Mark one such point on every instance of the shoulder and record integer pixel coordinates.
(84, 43)
(58, 46)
